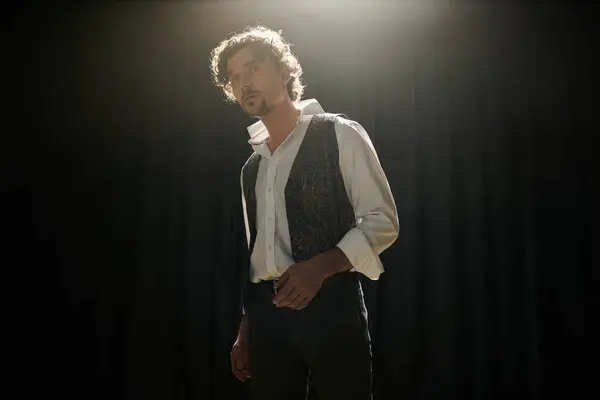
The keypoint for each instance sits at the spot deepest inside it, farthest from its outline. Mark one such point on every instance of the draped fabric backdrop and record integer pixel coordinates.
(133, 238)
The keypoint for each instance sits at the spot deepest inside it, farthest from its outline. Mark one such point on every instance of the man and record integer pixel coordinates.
(318, 211)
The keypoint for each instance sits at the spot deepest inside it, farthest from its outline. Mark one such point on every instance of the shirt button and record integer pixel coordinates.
(269, 190)
(270, 248)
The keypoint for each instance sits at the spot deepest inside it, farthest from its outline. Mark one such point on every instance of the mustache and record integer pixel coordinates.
(248, 94)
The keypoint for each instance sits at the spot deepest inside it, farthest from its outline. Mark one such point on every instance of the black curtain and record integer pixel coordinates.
(127, 258)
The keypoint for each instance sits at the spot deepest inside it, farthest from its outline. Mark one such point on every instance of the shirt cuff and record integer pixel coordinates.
(359, 252)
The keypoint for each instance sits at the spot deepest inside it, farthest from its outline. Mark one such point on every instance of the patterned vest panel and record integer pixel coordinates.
(318, 209)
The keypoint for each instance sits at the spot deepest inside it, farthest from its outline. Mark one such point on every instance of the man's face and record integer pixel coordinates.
(258, 84)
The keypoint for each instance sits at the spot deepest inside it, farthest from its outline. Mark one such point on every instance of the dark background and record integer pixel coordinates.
(120, 272)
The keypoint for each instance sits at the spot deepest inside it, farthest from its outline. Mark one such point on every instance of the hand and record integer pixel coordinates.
(299, 284)
(239, 360)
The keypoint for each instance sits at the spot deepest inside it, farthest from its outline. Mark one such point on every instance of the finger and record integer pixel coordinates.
(236, 371)
(241, 371)
(239, 374)
(304, 302)
(295, 302)
(283, 279)
(289, 299)
(245, 370)
(239, 365)
(242, 362)
(284, 291)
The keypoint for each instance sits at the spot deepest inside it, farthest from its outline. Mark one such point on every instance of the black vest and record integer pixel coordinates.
(318, 209)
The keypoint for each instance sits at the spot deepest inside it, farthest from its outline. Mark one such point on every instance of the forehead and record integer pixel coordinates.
(241, 58)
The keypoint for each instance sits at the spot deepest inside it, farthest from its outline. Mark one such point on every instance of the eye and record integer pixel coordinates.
(233, 79)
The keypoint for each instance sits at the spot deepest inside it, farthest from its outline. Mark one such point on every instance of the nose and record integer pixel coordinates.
(246, 81)
(247, 88)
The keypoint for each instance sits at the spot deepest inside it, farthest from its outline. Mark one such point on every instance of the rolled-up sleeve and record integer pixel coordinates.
(371, 197)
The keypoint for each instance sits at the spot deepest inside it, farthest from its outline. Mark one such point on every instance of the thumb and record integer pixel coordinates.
(281, 281)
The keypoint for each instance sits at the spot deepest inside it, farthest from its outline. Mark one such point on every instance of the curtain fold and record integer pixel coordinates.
(478, 113)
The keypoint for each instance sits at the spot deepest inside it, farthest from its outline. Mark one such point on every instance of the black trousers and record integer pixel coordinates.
(327, 342)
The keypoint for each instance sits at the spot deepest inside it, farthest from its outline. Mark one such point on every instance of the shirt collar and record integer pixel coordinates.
(258, 132)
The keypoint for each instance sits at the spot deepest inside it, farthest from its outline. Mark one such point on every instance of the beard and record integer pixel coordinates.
(257, 107)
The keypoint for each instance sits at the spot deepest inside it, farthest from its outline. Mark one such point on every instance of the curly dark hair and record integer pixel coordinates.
(266, 42)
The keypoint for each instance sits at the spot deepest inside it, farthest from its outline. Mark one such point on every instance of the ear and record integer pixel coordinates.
(285, 74)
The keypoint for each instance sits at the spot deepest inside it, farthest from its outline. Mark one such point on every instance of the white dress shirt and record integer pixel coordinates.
(366, 186)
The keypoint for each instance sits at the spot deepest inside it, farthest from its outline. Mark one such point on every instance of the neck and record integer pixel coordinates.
(280, 121)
